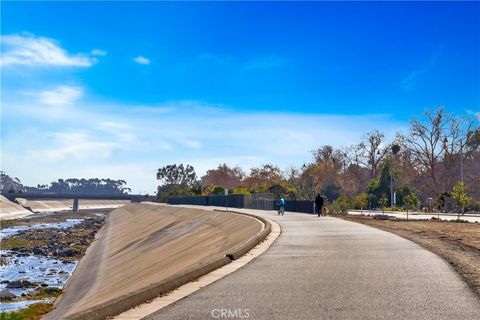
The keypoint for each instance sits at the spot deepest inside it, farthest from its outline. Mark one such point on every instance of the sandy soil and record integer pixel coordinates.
(143, 244)
(457, 243)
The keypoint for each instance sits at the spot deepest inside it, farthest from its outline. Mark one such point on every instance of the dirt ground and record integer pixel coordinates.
(457, 243)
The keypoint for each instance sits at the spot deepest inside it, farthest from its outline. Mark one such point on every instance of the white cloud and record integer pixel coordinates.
(63, 95)
(141, 60)
(77, 145)
(112, 126)
(189, 143)
(98, 52)
(97, 134)
(30, 50)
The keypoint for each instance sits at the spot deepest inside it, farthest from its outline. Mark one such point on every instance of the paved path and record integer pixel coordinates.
(327, 268)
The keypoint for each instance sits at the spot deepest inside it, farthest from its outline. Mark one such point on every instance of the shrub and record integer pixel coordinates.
(32, 312)
(341, 205)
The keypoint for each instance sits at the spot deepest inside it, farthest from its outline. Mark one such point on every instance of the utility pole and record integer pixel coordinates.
(461, 162)
(392, 201)
(395, 150)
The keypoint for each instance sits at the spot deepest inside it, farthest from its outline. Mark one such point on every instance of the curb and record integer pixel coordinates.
(131, 300)
(243, 248)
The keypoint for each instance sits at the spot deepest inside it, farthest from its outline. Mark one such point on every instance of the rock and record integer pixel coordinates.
(44, 285)
(4, 282)
(6, 295)
(33, 293)
(51, 290)
(20, 284)
(38, 251)
(69, 252)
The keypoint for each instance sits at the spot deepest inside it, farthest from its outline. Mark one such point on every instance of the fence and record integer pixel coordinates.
(260, 201)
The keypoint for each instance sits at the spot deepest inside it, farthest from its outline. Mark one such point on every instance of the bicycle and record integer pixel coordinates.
(281, 210)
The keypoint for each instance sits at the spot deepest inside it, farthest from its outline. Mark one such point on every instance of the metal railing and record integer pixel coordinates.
(259, 201)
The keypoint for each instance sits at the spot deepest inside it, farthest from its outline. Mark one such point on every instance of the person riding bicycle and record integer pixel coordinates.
(281, 205)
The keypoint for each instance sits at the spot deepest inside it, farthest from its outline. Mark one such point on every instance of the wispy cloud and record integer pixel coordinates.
(194, 132)
(63, 95)
(78, 145)
(409, 82)
(31, 50)
(98, 52)
(141, 60)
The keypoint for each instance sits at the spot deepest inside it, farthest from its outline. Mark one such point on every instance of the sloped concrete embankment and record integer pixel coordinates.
(11, 210)
(145, 251)
(67, 205)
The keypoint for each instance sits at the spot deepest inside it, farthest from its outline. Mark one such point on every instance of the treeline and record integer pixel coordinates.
(437, 163)
(73, 185)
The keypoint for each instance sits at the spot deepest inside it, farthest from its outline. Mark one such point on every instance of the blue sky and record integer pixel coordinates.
(119, 89)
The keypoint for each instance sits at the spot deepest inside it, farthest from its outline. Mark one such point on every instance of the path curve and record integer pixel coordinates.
(327, 268)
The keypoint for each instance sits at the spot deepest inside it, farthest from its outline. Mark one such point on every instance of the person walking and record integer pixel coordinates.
(319, 204)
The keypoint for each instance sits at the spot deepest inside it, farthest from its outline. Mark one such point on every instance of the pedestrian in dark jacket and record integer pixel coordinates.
(319, 204)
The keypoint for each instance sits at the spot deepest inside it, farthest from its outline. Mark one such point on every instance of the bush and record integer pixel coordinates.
(341, 205)
(32, 312)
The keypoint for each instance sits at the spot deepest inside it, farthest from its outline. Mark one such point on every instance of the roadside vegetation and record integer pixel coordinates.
(435, 166)
(32, 312)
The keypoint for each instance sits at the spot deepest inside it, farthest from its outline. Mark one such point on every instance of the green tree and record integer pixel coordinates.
(178, 181)
(179, 175)
(411, 201)
(459, 194)
(218, 190)
(383, 202)
(381, 187)
(361, 201)
(403, 192)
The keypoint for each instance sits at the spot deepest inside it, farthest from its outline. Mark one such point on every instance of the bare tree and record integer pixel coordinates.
(371, 151)
(440, 145)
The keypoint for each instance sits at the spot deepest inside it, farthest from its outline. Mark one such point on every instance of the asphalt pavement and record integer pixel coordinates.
(327, 268)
